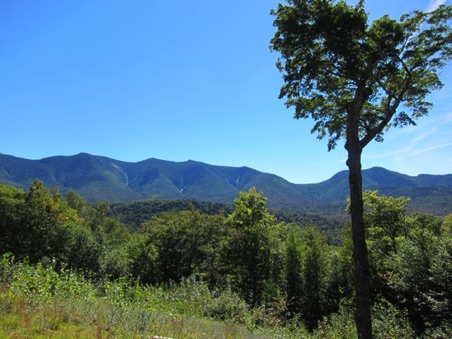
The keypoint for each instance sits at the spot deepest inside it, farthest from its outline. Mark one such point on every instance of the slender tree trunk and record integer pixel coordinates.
(360, 256)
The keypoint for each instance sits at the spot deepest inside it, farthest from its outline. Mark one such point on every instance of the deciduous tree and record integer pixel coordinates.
(185, 243)
(248, 251)
(313, 272)
(294, 281)
(447, 224)
(356, 80)
(385, 216)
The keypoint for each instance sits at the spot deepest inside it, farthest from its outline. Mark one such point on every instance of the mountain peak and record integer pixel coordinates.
(101, 178)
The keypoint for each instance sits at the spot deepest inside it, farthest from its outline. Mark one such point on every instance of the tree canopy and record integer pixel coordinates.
(247, 262)
(334, 63)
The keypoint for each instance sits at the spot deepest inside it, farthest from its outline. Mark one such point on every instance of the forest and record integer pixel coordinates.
(68, 266)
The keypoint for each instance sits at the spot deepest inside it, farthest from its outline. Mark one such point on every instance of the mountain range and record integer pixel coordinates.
(99, 178)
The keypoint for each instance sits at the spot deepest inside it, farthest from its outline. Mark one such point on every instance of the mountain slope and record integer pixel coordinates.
(101, 178)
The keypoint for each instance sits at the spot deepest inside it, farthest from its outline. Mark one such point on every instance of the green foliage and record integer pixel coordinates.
(41, 302)
(421, 277)
(79, 247)
(135, 213)
(44, 282)
(294, 279)
(447, 224)
(351, 78)
(40, 224)
(390, 322)
(227, 305)
(385, 216)
(96, 179)
(76, 202)
(338, 325)
(33, 222)
(11, 205)
(309, 277)
(424, 221)
(113, 237)
(313, 271)
(334, 62)
(276, 279)
(410, 262)
(141, 254)
(185, 242)
(250, 258)
(341, 269)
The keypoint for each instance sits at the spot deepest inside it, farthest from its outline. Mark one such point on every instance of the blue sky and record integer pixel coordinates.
(179, 80)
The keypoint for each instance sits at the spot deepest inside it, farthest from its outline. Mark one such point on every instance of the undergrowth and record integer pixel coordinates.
(41, 301)
(38, 301)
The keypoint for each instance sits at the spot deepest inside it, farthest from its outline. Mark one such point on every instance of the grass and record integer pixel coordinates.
(22, 318)
(38, 302)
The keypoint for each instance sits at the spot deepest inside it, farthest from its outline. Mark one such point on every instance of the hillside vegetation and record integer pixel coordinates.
(134, 213)
(69, 269)
(98, 178)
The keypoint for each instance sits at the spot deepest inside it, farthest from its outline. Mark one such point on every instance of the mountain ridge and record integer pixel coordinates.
(102, 178)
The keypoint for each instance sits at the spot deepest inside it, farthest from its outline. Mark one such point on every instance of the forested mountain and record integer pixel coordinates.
(99, 178)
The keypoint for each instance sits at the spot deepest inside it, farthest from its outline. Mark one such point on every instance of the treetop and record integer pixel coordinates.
(336, 64)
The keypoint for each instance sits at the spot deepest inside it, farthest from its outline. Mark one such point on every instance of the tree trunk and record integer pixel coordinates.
(360, 257)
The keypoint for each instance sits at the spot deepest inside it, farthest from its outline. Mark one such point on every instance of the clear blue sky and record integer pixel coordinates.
(178, 80)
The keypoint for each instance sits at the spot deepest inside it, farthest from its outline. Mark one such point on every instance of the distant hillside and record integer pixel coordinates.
(101, 178)
(135, 213)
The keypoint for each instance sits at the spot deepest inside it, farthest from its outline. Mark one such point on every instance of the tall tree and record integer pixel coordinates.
(313, 271)
(11, 225)
(185, 242)
(248, 250)
(385, 216)
(356, 80)
(294, 280)
(33, 224)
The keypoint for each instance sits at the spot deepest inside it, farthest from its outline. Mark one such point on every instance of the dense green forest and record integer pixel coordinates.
(153, 185)
(134, 213)
(237, 266)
